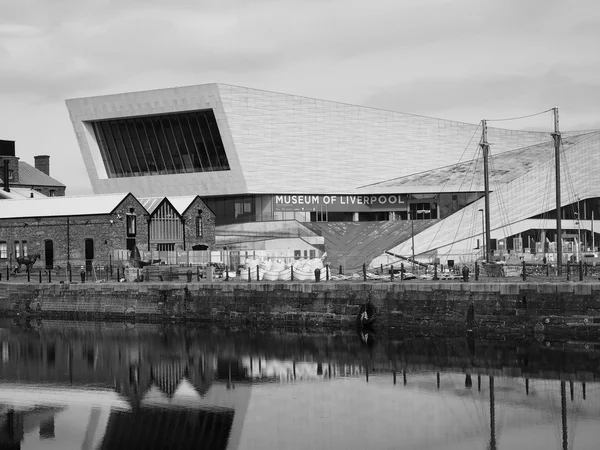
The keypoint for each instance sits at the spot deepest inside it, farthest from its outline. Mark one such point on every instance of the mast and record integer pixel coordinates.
(557, 139)
(485, 147)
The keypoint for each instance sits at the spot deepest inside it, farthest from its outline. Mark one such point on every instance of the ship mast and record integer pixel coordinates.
(485, 147)
(557, 139)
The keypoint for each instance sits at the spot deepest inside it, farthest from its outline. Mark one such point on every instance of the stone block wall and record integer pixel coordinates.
(496, 309)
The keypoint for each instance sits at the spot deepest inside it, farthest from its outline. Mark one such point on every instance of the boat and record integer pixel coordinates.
(367, 314)
(285, 274)
(303, 275)
(271, 275)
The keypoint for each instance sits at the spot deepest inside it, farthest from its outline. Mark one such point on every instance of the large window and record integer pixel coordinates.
(3, 250)
(169, 143)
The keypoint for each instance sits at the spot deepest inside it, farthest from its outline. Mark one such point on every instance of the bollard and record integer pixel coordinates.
(547, 269)
(40, 271)
(226, 273)
(49, 275)
(524, 271)
(435, 273)
(28, 275)
(364, 272)
(392, 273)
(70, 275)
(476, 271)
(568, 270)
(580, 270)
(341, 271)
(585, 268)
(82, 275)
(381, 269)
(401, 271)
(465, 273)
(257, 273)
(7, 273)
(189, 276)
(138, 275)
(317, 274)
(118, 275)
(327, 272)
(198, 273)
(249, 275)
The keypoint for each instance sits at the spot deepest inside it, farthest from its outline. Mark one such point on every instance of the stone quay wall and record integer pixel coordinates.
(519, 309)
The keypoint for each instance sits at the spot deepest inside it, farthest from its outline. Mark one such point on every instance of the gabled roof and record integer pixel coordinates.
(29, 175)
(20, 193)
(82, 205)
(180, 203)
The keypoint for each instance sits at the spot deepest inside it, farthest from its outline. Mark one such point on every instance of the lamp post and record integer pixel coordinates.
(483, 235)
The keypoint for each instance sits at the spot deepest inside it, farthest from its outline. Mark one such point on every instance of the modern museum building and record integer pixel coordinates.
(256, 156)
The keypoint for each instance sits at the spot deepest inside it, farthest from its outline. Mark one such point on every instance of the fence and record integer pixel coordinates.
(232, 259)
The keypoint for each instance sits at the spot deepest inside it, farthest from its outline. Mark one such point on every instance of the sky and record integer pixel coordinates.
(463, 60)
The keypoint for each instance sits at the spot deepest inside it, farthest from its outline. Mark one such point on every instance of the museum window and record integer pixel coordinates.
(161, 144)
(3, 250)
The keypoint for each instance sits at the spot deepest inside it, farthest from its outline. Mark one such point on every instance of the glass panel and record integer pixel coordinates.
(129, 153)
(120, 149)
(163, 146)
(137, 147)
(104, 151)
(144, 142)
(184, 140)
(212, 154)
(172, 145)
(199, 141)
(112, 149)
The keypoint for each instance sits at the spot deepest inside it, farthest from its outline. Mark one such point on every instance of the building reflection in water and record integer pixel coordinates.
(111, 386)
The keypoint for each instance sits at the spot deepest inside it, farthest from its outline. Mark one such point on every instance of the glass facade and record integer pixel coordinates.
(161, 144)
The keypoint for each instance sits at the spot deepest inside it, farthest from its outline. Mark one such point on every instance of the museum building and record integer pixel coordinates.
(256, 156)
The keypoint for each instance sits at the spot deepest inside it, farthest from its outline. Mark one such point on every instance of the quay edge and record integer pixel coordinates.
(566, 310)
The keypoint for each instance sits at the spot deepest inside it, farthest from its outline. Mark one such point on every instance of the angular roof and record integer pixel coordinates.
(511, 204)
(82, 205)
(287, 143)
(468, 176)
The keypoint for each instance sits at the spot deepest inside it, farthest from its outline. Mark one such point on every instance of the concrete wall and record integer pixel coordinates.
(436, 308)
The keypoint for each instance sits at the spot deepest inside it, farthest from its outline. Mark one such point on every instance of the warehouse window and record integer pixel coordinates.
(165, 247)
(161, 144)
(199, 224)
(3, 250)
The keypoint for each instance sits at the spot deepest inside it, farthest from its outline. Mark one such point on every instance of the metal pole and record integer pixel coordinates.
(557, 138)
(412, 236)
(486, 180)
(482, 232)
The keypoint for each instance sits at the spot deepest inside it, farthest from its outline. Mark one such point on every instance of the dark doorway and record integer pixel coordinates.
(49, 254)
(89, 255)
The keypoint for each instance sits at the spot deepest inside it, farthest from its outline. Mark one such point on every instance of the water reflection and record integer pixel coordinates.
(110, 386)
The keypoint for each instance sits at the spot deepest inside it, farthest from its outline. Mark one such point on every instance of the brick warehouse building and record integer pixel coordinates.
(85, 230)
(21, 180)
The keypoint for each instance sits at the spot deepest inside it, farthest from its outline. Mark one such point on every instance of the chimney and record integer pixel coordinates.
(42, 163)
(5, 176)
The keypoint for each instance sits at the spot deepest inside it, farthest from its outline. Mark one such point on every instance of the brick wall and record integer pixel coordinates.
(69, 235)
(208, 225)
